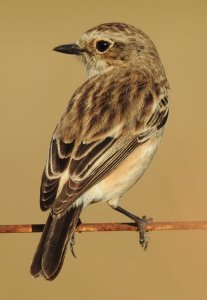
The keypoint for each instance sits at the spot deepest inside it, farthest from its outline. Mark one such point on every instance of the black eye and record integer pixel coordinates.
(102, 46)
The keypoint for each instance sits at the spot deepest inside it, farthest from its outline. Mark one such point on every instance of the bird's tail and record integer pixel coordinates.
(50, 253)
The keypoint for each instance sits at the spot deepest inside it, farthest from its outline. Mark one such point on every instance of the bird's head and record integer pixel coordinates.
(112, 45)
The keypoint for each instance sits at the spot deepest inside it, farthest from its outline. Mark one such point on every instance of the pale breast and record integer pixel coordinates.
(124, 177)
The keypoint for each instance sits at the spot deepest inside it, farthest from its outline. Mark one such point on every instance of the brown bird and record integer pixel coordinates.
(106, 138)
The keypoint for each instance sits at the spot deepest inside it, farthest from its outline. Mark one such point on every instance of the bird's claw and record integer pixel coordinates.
(143, 233)
(72, 243)
(72, 240)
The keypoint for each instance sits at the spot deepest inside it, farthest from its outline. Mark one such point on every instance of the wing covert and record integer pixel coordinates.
(87, 145)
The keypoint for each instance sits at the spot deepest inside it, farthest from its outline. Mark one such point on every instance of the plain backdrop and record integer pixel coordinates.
(35, 85)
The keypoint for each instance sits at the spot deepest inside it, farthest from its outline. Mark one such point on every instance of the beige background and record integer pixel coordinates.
(36, 84)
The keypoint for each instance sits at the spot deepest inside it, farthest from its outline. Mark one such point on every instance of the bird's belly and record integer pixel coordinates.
(124, 177)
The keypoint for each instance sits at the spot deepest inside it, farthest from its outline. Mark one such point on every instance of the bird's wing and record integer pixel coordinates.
(104, 122)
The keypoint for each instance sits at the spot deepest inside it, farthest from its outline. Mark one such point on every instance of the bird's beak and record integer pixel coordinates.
(69, 49)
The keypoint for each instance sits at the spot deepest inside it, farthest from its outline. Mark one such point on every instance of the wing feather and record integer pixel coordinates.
(58, 160)
(86, 152)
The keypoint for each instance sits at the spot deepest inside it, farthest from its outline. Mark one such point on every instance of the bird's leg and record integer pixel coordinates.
(141, 225)
(72, 240)
(72, 244)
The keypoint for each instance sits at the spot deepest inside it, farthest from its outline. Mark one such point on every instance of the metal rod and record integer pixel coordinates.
(93, 227)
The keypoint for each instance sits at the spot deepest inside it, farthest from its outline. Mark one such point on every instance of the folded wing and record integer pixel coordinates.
(89, 143)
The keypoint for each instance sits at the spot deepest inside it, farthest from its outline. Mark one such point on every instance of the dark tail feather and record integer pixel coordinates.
(36, 266)
(50, 253)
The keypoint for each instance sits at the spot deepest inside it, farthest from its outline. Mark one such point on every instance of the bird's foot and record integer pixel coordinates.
(72, 244)
(141, 224)
(72, 240)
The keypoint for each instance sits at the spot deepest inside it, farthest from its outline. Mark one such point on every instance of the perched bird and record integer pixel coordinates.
(107, 136)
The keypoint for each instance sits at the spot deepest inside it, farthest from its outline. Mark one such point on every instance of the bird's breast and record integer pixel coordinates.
(124, 177)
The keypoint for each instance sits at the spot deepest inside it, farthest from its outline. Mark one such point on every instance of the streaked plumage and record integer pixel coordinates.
(107, 136)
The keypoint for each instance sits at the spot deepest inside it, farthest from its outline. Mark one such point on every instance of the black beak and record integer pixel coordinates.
(69, 49)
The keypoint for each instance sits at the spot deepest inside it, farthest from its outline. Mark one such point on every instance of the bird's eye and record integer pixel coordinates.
(102, 46)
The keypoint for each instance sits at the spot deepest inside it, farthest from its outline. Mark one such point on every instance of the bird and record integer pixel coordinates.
(105, 139)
